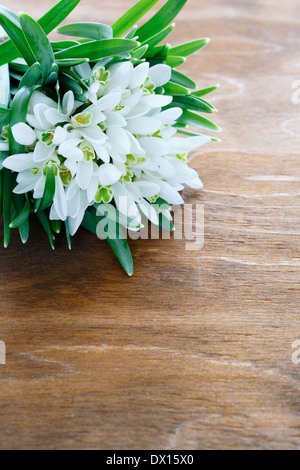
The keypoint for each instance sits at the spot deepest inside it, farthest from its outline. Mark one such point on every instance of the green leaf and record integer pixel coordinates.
(189, 48)
(157, 38)
(32, 77)
(193, 103)
(18, 202)
(98, 49)
(68, 236)
(119, 246)
(48, 22)
(46, 226)
(205, 91)
(10, 22)
(95, 31)
(4, 116)
(183, 80)
(38, 43)
(23, 215)
(175, 89)
(161, 20)
(193, 119)
(71, 62)
(4, 85)
(49, 190)
(175, 61)
(132, 16)
(7, 203)
(165, 223)
(139, 52)
(61, 45)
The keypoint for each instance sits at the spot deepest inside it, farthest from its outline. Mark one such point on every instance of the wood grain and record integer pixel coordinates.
(194, 351)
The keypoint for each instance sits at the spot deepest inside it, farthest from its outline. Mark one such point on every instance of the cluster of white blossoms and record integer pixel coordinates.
(121, 146)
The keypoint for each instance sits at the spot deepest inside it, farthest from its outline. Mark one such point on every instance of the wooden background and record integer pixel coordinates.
(194, 351)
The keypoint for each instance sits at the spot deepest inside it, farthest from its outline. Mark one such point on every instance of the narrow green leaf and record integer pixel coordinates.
(98, 49)
(175, 61)
(95, 31)
(4, 116)
(49, 190)
(175, 89)
(68, 236)
(139, 52)
(189, 48)
(71, 62)
(46, 226)
(161, 20)
(7, 204)
(183, 80)
(38, 43)
(23, 215)
(194, 104)
(48, 22)
(10, 22)
(157, 38)
(32, 77)
(132, 16)
(18, 203)
(119, 246)
(55, 226)
(205, 91)
(61, 45)
(193, 119)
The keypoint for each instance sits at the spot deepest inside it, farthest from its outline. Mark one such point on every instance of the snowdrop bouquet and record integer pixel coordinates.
(96, 127)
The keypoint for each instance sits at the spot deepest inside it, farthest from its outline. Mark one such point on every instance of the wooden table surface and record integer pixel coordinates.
(195, 350)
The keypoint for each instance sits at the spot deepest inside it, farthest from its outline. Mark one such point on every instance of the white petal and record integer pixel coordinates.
(27, 184)
(147, 188)
(60, 202)
(120, 75)
(125, 202)
(68, 103)
(114, 119)
(40, 115)
(160, 74)
(93, 134)
(139, 75)
(19, 162)
(109, 174)
(109, 101)
(157, 101)
(54, 117)
(195, 184)
(39, 187)
(102, 153)
(72, 166)
(154, 145)
(170, 116)
(93, 90)
(169, 194)
(68, 149)
(60, 135)
(43, 152)
(165, 168)
(74, 224)
(38, 98)
(23, 134)
(149, 212)
(119, 140)
(92, 189)
(144, 125)
(84, 174)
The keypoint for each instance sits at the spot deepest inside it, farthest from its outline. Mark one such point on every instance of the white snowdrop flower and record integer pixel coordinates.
(120, 147)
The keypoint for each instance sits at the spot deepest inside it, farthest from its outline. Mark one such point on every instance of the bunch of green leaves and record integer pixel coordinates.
(29, 62)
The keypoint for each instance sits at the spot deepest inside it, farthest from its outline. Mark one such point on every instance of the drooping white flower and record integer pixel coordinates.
(119, 147)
